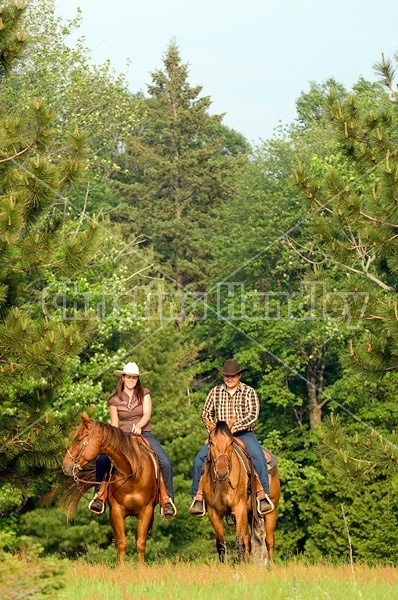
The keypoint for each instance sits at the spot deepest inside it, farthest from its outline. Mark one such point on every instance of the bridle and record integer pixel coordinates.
(214, 462)
(76, 466)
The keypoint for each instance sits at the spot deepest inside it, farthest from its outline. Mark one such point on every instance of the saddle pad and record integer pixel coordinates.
(270, 458)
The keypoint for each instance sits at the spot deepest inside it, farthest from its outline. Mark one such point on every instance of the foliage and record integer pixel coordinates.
(177, 171)
(12, 41)
(51, 532)
(38, 242)
(27, 576)
(80, 92)
(352, 203)
(205, 250)
(369, 509)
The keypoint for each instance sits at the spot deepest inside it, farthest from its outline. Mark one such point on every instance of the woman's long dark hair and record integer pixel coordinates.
(138, 390)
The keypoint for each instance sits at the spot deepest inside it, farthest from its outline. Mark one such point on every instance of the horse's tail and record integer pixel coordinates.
(259, 551)
(257, 525)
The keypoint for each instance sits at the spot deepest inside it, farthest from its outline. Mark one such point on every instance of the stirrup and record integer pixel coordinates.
(170, 501)
(96, 512)
(198, 514)
(268, 499)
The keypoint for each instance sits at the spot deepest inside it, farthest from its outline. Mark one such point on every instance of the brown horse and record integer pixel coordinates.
(133, 488)
(228, 489)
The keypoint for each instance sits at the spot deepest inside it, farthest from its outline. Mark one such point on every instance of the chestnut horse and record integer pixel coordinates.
(228, 489)
(133, 488)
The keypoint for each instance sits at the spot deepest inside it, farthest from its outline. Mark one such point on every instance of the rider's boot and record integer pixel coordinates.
(197, 508)
(97, 504)
(264, 503)
(168, 509)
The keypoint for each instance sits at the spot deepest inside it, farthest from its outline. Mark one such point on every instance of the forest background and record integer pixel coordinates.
(140, 227)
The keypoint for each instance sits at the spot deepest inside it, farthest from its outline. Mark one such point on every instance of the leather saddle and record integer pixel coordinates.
(240, 448)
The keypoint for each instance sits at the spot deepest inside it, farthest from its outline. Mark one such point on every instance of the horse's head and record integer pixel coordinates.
(220, 447)
(84, 448)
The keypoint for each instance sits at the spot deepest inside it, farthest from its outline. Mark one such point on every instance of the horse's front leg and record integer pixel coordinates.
(116, 518)
(218, 526)
(242, 542)
(144, 524)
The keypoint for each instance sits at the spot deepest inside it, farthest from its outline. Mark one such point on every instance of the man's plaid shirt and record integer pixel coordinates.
(221, 406)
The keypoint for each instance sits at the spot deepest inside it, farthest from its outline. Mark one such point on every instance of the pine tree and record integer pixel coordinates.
(353, 212)
(353, 209)
(39, 243)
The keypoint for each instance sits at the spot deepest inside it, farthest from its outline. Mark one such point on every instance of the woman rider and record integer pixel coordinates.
(130, 408)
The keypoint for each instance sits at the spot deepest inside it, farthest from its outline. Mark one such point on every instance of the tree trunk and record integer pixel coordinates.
(314, 408)
(315, 383)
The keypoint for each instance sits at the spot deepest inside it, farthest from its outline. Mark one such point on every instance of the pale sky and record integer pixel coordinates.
(253, 57)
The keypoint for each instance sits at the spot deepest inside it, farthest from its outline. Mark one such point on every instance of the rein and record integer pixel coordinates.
(108, 483)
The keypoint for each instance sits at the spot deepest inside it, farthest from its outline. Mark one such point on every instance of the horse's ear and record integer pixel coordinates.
(210, 426)
(85, 418)
(231, 423)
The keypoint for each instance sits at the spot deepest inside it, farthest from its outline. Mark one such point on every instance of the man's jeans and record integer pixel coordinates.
(253, 447)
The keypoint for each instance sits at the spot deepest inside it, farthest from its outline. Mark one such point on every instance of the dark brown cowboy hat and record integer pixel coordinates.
(231, 367)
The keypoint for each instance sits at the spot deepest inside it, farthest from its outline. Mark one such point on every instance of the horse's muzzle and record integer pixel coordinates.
(67, 468)
(221, 476)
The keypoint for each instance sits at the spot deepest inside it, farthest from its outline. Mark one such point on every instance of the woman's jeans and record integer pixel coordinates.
(253, 447)
(166, 467)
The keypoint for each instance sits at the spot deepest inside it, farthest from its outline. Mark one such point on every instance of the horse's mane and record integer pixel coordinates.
(126, 445)
(222, 427)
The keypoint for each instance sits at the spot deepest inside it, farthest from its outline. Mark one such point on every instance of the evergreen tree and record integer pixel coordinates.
(180, 162)
(270, 308)
(354, 213)
(39, 242)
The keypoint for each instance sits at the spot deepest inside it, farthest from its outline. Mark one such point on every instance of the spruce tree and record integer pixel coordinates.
(179, 161)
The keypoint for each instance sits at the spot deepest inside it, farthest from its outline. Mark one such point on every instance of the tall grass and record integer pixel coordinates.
(193, 581)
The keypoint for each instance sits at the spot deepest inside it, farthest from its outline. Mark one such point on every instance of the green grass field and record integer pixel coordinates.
(213, 581)
(41, 579)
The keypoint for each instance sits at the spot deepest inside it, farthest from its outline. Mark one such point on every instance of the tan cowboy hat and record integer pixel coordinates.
(231, 367)
(130, 369)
